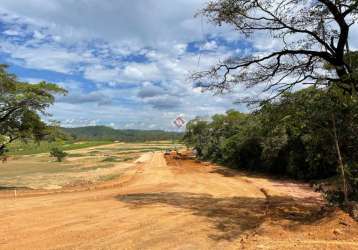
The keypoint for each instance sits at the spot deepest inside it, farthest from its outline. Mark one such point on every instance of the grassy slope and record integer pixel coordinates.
(23, 168)
(20, 148)
(94, 163)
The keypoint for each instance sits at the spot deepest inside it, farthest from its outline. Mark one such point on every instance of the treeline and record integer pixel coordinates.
(107, 133)
(295, 136)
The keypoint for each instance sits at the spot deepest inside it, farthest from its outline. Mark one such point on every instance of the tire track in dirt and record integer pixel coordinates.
(157, 205)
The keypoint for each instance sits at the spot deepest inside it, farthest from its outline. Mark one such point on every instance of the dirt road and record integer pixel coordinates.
(177, 205)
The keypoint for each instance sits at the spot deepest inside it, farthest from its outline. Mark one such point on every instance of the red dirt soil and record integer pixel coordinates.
(176, 204)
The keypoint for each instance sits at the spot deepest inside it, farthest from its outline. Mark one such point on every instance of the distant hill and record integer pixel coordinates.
(127, 135)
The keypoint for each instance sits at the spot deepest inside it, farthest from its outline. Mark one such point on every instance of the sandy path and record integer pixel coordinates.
(177, 206)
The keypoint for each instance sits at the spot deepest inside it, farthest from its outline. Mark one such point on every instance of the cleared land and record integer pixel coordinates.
(89, 163)
(163, 203)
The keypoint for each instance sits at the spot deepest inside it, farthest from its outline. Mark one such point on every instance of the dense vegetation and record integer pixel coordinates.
(130, 135)
(295, 136)
(304, 135)
(21, 104)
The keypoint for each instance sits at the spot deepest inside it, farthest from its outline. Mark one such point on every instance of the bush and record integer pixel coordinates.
(59, 154)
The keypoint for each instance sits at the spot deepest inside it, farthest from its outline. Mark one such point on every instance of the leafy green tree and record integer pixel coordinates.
(21, 105)
(319, 128)
(307, 131)
(208, 137)
(196, 135)
(309, 134)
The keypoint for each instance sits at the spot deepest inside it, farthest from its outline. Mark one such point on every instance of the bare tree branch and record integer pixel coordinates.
(317, 57)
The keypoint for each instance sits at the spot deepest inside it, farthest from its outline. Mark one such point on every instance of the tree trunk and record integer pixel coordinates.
(2, 149)
(340, 161)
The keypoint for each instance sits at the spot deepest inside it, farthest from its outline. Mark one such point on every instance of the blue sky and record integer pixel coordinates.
(125, 63)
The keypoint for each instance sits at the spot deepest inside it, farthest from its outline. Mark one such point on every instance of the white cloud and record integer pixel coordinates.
(211, 45)
(150, 90)
(95, 40)
(100, 73)
(131, 73)
(11, 32)
(141, 72)
(46, 57)
(38, 35)
(145, 22)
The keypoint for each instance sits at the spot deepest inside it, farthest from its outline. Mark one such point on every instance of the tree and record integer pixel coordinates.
(196, 135)
(21, 105)
(309, 134)
(312, 34)
(59, 154)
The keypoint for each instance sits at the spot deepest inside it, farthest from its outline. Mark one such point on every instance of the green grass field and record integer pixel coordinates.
(31, 166)
(21, 148)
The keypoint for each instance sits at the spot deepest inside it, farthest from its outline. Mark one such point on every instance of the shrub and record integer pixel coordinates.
(59, 154)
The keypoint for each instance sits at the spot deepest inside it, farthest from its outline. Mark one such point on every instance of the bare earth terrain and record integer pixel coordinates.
(159, 204)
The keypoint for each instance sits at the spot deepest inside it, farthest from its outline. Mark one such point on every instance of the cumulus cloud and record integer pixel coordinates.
(115, 20)
(140, 72)
(134, 57)
(164, 102)
(150, 90)
(11, 32)
(101, 73)
(210, 45)
(46, 57)
(79, 98)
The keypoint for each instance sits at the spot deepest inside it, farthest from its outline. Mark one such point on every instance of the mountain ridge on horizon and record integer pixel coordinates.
(102, 132)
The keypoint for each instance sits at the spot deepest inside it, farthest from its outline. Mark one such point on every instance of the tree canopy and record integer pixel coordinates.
(309, 34)
(294, 136)
(21, 107)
